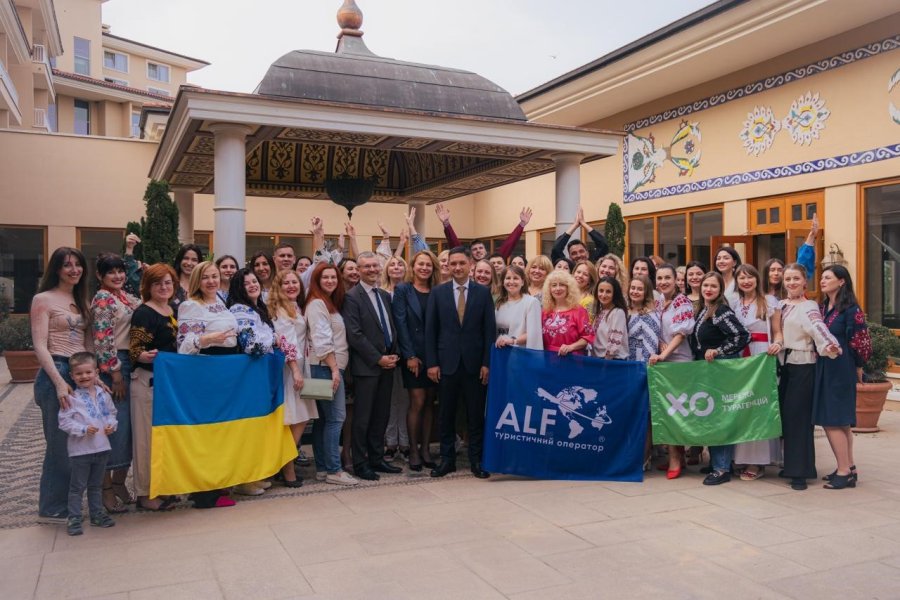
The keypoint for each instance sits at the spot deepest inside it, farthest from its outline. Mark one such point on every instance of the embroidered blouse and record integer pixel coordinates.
(856, 331)
(678, 318)
(150, 331)
(722, 332)
(760, 329)
(291, 336)
(566, 327)
(85, 411)
(255, 336)
(196, 318)
(111, 311)
(610, 334)
(805, 332)
(643, 335)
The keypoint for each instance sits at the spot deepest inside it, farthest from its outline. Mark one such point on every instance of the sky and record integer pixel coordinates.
(517, 44)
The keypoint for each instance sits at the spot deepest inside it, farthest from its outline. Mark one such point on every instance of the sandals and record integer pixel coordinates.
(748, 475)
(853, 474)
(123, 493)
(839, 482)
(117, 506)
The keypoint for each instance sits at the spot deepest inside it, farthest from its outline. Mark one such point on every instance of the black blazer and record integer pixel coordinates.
(449, 344)
(409, 315)
(364, 335)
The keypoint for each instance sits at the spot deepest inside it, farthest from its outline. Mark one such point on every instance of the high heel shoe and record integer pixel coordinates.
(673, 473)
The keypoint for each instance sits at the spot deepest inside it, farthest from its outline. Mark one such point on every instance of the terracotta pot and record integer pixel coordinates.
(22, 364)
(870, 398)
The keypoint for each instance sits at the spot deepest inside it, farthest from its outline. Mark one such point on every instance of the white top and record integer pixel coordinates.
(610, 334)
(84, 412)
(196, 318)
(731, 293)
(747, 315)
(254, 335)
(327, 334)
(678, 318)
(521, 316)
(804, 332)
(291, 335)
(374, 300)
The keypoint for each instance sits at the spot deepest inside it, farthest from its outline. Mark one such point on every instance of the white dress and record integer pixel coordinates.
(522, 316)
(291, 335)
(761, 452)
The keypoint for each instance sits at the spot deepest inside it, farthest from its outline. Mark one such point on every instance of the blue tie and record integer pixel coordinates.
(384, 326)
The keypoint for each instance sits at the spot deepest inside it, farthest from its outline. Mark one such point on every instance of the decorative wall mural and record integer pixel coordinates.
(893, 110)
(759, 130)
(643, 158)
(806, 118)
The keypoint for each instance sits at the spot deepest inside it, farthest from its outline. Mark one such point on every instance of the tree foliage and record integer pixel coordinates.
(159, 230)
(615, 230)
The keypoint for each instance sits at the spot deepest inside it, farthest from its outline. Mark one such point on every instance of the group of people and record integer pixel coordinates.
(394, 338)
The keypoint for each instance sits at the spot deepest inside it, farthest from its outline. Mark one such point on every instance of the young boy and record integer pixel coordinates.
(90, 418)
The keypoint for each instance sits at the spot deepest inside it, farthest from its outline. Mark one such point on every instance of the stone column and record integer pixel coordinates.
(568, 189)
(419, 222)
(230, 204)
(184, 200)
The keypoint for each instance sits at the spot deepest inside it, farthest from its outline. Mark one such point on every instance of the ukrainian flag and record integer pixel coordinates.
(218, 421)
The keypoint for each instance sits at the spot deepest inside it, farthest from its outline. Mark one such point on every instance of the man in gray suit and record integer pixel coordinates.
(373, 357)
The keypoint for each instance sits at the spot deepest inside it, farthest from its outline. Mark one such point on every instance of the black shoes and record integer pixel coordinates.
(365, 472)
(717, 478)
(384, 467)
(445, 468)
(478, 472)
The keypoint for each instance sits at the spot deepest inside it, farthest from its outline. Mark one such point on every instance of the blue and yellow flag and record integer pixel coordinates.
(218, 421)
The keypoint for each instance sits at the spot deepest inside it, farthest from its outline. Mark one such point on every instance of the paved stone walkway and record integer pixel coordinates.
(501, 538)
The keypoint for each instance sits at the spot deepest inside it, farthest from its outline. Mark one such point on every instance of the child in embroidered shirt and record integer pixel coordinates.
(89, 418)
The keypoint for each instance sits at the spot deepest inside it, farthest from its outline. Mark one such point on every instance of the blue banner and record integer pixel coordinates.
(571, 417)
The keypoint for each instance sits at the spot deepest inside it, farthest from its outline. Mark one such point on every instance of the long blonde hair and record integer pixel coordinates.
(621, 272)
(435, 278)
(386, 283)
(279, 303)
(547, 300)
(648, 302)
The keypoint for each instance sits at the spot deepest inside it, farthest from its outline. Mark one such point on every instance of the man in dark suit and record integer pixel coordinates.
(372, 338)
(459, 332)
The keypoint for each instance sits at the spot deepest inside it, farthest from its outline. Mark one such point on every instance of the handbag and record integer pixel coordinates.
(317, 389)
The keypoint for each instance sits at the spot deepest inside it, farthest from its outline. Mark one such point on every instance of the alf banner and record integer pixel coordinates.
(714, 404)
(571, 417)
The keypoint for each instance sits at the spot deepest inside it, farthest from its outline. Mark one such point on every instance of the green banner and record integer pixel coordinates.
(714, 404)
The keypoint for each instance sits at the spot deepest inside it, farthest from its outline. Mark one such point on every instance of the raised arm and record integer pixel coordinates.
(509, 245)
(601, 248)
(559, 246)
(418, 244)
(443, 214)
(806, 253)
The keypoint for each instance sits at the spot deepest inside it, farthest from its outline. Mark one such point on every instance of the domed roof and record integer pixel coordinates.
(354, 75)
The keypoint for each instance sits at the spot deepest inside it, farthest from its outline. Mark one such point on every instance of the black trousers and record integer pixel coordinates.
(371, 413)
(796, 396)
(467, 386)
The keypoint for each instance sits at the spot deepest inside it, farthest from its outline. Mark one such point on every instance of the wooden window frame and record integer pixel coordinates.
(859, 285)
(45, 249)
(688, 225)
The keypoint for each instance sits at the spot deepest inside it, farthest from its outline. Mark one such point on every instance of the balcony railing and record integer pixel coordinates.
(8, 82)
(39, 54)
(40, 119)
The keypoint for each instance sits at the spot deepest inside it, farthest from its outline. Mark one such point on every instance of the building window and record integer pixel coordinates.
(136, 124)
(82, 117)
(115, 61)
(204, 240)
(673, 239)
(157, 72)
(158, 91)
(640, 238)
(881, 251)
(493, 245)
(667, 234)
(52, 117)
(116, 81)
(21, 265)
(704, 225)
(82, 56)
(93, 243)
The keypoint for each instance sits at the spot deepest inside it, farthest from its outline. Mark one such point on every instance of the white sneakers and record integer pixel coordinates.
(321, 475)
(340, 478)
(248, 489)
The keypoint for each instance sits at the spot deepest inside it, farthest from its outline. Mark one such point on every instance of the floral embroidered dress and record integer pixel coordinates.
(255, 336)
(566, 327)
(291, 335)
(610, 334)
(644, 331)
(834, 399)
(111, 320)
(196, 318)
(678, 318)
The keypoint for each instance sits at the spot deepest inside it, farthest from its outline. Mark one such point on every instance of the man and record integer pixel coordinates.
(284, 257)
(303, 263)
(477, 247)
(459, 333)
(373, 357)
(576, 249)
(497, 261)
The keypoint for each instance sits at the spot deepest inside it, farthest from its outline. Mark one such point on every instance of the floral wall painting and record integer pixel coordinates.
(806, 118)
(759, 130)
(643, 158)
(893, 110)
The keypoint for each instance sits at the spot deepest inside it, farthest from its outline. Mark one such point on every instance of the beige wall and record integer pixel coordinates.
(137, 73)
(81, 18)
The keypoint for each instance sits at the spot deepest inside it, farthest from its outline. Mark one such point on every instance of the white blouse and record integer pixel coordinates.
(327, 334)
(804, 333)
(254, 335)
(610, 334)
(291, 335)
(521, 316)
(197, 318)
(678, 318)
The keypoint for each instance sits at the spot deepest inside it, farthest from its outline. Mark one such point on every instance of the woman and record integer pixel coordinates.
(303, 263)
(255, 332)
(153, 330)
(329, 354)
(760, 315)
(693, 276)
(111, 311)
(263, 267)
(677, 323)
(644, 327)
(772, 275)
(349, 273)
(565, 324)
(59, 328)
(564, 264)
(444, 263)
(611, 322)
(611, 265)
(536, 274)
(586, 277)
(805, 334)
(680, 272)
(727, 260)
(484, 274)
(285, 301)
(396, 436)
(409, 305)
(642, 266)
(834, 402)
(187, 258)
(206, 326)
(518, 261)
(518, 315)
(227, 266)
(718, 334)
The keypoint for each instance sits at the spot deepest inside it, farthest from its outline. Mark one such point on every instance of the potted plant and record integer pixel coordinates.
(872, 393)
(18, 348)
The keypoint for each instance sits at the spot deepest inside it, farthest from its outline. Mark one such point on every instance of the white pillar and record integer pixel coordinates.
(419, 222)
(230, 204)
(568, 189)
(184, 200)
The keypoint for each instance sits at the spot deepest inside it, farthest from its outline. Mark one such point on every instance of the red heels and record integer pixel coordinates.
(674, 473)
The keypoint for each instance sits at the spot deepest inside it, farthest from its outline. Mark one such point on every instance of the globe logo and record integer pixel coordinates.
(580, 406)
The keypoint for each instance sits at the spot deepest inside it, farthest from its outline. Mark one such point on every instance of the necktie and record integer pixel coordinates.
(461, 303)
(384, 325)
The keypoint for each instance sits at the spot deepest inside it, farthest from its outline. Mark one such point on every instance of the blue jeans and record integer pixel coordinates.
(327, 430)
(87, 474)
(54, 487)
(720, 457)
(120, 439)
